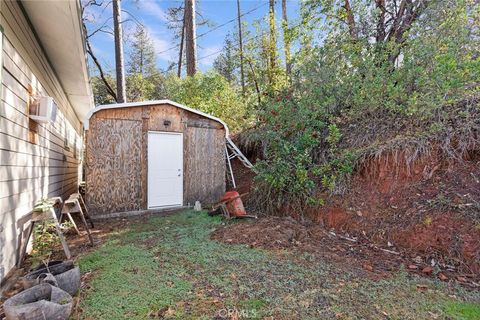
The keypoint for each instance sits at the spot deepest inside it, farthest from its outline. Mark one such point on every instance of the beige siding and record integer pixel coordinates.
(29, 172)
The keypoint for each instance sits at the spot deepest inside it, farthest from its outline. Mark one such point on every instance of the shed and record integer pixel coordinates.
(153, 155)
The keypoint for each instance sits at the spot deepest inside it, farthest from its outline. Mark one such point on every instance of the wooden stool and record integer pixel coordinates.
(74, 205)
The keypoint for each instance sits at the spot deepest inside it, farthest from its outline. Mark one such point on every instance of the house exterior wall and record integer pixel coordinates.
(116, 156)
(36, 160)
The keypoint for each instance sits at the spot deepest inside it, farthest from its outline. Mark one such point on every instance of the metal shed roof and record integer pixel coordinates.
(150, 103)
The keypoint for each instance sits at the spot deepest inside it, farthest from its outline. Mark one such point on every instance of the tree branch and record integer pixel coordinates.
(100, 70)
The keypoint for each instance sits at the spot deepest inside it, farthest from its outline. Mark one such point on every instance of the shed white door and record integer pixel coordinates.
(165, 169)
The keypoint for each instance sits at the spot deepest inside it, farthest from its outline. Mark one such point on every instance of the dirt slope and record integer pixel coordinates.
(428, 212)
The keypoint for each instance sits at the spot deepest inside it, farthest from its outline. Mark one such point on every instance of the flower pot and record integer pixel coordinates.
(66, 274)
(40, 302)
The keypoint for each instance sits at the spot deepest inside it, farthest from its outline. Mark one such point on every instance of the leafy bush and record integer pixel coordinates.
(291, 132)
(210, 93)
(45, 238)
(349, 99)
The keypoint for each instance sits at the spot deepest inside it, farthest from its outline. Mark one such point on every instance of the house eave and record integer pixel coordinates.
(58, 27)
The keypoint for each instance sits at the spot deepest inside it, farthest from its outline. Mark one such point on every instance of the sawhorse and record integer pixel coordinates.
(47, 212)
(74, 205)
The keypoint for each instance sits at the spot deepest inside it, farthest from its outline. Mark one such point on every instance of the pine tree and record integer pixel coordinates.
(143, 79)
(142, 59)
(225, 64)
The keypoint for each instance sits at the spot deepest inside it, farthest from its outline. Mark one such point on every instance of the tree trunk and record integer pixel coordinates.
(380, 36)
(273, 43)
(180, 56)
(242, 76)
(117, 19)
(352, 29)
(286, 38)
(191, 43)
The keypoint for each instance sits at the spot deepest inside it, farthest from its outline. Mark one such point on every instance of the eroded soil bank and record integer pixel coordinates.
(421, 215)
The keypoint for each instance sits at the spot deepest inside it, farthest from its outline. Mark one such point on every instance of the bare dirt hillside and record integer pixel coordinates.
(423, 217)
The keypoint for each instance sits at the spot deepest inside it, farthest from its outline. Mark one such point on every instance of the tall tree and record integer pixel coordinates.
(225, 64)
(119, 61)
(176, 23)
(143, 79)
(272, 42)
(240, 42)
(286, 38)
(142, 59)
(191, 42)
(182, 40)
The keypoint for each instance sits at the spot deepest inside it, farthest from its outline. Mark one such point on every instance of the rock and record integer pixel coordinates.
(422, 287)
(427, 270)
(198, 206)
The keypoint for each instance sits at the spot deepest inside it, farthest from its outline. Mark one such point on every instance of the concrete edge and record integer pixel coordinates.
(127, 214)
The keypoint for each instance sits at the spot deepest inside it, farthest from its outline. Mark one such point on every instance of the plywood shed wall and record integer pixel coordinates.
(116, 156)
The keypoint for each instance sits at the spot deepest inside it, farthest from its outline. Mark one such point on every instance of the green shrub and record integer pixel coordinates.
(210, 93)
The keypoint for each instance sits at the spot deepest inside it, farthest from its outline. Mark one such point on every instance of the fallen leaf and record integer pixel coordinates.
(367, 267)
(412, 267)
(462, 279)
(442, 277)
(169, 312)
(427, 270)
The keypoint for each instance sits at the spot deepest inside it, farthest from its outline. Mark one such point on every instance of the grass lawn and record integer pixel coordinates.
(168, 267)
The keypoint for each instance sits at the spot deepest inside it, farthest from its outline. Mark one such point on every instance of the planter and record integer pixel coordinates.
(40, 302)
(66, 274)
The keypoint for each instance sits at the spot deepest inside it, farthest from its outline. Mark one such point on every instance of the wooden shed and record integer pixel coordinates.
(153, 155)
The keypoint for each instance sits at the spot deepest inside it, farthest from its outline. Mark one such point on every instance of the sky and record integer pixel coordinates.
(152, 14)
